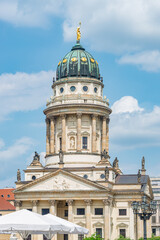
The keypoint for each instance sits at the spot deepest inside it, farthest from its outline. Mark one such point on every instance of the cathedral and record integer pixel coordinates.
(78, 182)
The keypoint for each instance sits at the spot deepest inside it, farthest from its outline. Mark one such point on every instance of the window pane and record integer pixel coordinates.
(65, 236)
(99, 232)
(84, 142)
(80, 236)
(98, 211)
(153, 219)
(80, 211)
(45, 211)
(66, 213)
(122, 212)
(123, 232)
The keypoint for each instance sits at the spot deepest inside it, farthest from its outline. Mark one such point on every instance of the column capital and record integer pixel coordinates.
(52, 119)
(107, 120)
(106, 202)
(70, 202)
(35, 203)
(63, 116)
(104, 118)
(79, 115)
(94, 116)
(52, 202)
(47, 120)
(88, 202)
(17, 203)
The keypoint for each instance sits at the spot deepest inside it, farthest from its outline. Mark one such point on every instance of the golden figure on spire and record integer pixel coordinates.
(78, 33)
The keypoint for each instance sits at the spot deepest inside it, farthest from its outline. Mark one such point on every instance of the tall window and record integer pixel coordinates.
(153, 219)
(84, 142)
(122, 232)
(65, 236)
(80, 236)
(99, 232)
(60, 143)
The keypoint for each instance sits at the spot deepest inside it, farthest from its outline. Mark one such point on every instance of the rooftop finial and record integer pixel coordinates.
(78, 33)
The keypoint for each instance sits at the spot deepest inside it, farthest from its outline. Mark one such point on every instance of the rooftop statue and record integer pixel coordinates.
(78, 33)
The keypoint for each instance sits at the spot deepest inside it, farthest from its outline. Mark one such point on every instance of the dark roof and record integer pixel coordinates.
(131, 179)
(78, 63)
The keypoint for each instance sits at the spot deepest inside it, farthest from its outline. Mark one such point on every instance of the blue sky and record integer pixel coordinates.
(123, 36)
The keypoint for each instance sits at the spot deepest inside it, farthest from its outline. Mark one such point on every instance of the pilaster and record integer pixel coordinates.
(88, 203)
(17, 204)
(64, 133)
(104, 130)
(94, 118)
(70, 214)
(47, 136)
(107, 224)
(79, 122)
(35, 206)
(53, 207)
(52, 123)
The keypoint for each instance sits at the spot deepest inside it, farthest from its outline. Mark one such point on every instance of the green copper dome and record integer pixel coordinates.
(78, 63)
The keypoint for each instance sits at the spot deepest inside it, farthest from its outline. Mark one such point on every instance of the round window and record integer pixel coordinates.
(33, 177)
(102, 176)
(85, 88)
(85, 176)
(61, 90)
(72, 88)
(95, 90)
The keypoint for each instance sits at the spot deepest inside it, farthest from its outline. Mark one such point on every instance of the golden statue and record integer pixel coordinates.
(78, 33)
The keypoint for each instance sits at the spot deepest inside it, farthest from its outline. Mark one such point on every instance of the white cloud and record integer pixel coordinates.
(148, 60)
(29, 13)
(135, 129)
(126, 104)
(23, 91)
(20, 147)
(113, 26)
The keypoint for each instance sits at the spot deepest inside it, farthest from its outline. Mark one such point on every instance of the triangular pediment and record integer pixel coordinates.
(61, 181)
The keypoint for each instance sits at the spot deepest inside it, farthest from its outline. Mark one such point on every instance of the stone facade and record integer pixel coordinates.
(78, 182)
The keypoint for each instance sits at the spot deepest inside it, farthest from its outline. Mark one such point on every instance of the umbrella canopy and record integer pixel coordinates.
(26, 222)
(74, 228)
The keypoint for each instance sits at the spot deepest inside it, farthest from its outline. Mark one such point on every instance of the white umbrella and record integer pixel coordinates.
(74, 228)
(26, 222)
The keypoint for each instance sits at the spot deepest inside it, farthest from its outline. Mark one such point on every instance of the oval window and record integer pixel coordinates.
(102, 176)
(33, 177)
(85, 176)
(85, 88)
(61, 90)
(72, 88)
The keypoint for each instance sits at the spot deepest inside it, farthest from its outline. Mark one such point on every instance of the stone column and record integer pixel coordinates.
(63, 133)
(104, 130)
(88, 203)
(52, 136)
(47, 136)
(107, 137)
(79, 119)
(35, 206)
(17, 204)
(107, 226)
(94, 117)
(53, 207)
(70, 215)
